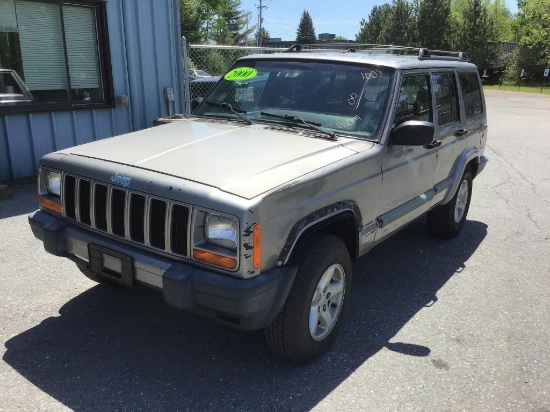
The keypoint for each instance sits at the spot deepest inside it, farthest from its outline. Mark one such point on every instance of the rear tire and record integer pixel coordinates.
(446, 221)
(308, 323)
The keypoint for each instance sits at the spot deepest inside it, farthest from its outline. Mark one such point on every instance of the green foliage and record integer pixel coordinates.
(231, 25)
(477, 34)
(306, 32)
(534, 31)
(399, 27)
(501, 19)
(191, 21)
(220, 21)
(265, 37)
(433, 24)
(473, 26)
(371, 29)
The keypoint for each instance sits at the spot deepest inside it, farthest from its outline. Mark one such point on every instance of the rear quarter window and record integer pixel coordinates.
(471, 93)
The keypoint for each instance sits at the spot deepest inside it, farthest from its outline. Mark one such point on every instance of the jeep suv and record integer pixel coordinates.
(251, 210)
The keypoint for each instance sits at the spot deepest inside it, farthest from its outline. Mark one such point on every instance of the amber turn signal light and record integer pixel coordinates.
(214, 259)
(257, 253)
(48, 204)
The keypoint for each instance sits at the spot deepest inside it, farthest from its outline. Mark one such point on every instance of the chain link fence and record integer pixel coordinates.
(204, 64)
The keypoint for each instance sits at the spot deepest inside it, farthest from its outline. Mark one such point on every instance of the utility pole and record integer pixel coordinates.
(261, 7)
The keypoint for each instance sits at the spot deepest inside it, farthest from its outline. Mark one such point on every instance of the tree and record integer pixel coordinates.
(399, 27)
(432, 26)
(191, 21)
(502, 20)
(371, 30)
(202, 20)
(306, 33)
(477, 34)
(265, 36)
(231, 25)
(534, 29)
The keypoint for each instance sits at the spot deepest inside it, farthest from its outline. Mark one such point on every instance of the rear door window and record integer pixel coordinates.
(471, 93)
(446, 98)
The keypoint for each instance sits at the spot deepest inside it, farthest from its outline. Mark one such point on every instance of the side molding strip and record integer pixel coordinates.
(405, 208)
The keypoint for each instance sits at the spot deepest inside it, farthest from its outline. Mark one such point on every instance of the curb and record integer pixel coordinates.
(4, 193)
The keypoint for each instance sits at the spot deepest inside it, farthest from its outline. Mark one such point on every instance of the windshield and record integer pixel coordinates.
(342, 98)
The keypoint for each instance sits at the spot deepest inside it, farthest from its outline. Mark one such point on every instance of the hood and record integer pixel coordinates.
(236, 158)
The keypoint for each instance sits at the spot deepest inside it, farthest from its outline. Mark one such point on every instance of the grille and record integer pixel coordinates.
(134, 216)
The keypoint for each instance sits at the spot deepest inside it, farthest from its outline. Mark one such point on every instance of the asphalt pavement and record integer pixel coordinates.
(432, 325)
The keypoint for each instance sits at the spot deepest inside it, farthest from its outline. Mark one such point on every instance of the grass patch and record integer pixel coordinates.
(525, 89)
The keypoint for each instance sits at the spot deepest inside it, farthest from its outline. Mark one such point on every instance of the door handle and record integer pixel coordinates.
(434, 144)
(461, 132)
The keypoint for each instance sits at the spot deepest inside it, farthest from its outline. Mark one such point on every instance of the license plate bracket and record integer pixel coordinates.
(115, 266)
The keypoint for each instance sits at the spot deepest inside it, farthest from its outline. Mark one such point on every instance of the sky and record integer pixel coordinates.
(340, 17)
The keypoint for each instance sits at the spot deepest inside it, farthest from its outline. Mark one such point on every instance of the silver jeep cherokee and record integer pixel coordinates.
(250, 211)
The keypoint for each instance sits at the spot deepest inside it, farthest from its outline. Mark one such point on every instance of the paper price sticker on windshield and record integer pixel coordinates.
(241, 73)
(244, 94)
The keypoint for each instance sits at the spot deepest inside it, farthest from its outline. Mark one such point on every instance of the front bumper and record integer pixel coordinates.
(246, 304)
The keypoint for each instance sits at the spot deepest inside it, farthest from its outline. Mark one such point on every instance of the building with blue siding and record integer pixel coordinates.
(92, 69)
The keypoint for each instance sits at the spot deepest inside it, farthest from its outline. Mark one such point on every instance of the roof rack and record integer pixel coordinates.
(422, 52)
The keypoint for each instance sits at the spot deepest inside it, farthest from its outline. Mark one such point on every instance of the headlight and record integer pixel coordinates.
(53, 183)
(221, 231)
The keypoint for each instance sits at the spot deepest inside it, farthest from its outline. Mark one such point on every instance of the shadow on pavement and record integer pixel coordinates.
(24, 200)
(118, 350)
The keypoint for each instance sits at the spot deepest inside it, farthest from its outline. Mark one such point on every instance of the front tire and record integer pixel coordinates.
(308, 323)
(446, 221)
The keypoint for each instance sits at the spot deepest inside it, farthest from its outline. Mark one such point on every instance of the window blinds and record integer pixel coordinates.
(81, 41)
(8, 21)
(41, 45)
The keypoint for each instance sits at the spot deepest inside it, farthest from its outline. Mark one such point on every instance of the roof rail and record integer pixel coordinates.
(294, 48)
(422, 52)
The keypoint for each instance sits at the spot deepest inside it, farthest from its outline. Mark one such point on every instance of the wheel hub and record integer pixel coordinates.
(327, 302)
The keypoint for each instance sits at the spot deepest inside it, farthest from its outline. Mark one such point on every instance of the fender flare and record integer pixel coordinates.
(467, 155)
(319, 217)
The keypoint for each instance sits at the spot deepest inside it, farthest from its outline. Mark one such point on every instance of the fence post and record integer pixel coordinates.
(185, 73)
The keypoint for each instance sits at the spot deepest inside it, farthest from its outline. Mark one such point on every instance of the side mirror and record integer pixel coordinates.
(195, 103)
(413, 133)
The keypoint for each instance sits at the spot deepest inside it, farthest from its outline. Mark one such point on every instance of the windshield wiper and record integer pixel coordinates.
(237, 112)
(298, 119)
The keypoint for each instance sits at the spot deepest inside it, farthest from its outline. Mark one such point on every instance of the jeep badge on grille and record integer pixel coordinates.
(120, 180)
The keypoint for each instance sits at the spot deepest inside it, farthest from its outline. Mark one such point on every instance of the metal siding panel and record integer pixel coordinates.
(159, 31)
(63, 129)
(84, 127)
(132, 44)
(165, 53)
(20, 145)
(147, 59)
(5, 161)
(175, 56)
(103, 126)
(122, 115)
(42, 135)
